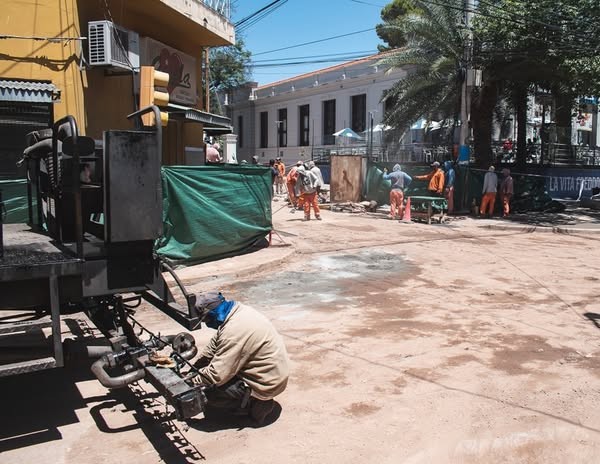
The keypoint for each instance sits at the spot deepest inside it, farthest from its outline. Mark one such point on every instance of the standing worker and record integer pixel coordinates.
(506, 191)
(274, 174)
(245, 364)
(309, 184)
(435, 178)
(317, 172)
(291, 180)
(280, 176)
(490, 188)
(450, 178)
(400, 181)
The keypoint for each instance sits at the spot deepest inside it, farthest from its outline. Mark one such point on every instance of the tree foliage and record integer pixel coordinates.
(432, 57)
(548, 44)
(229, 68)
(392, 15)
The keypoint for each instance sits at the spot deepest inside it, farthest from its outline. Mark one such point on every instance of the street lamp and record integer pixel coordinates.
(277, 136)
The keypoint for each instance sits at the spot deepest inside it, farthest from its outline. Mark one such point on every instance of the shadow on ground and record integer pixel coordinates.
(39, 403)
(226, 422)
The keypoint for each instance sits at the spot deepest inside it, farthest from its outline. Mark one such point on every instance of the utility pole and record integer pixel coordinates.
(371, 135)
(277, 137)
(465, 98)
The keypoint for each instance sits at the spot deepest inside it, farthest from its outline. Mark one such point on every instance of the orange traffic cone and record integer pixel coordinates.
(406, 215)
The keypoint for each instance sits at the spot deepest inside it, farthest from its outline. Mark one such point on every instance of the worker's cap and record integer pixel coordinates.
(255, 157)
(492, 168)
(206, 302)
(435, 164)
(311, 164)
(277, 159)
(299, 163)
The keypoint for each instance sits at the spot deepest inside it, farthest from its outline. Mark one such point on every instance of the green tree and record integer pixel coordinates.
(392, 15)
(432, 55)
(535, 43)
(229, 68)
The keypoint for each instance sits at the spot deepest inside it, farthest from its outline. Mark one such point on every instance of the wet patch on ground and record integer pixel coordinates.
(361, 409)
(329, 282)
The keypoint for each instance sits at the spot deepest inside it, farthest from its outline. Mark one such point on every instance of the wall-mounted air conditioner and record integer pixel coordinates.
(111, 45)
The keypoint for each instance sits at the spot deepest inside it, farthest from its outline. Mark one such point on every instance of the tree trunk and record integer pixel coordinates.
(563, 115)
(482, 121)
(521, 113)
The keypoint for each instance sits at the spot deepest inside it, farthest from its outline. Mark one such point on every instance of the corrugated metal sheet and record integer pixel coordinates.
(28, 91)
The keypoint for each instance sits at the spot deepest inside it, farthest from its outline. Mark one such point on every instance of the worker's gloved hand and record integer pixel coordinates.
(196, 380)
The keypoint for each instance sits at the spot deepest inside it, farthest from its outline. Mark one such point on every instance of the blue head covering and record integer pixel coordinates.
(213, 308)
(397, 167)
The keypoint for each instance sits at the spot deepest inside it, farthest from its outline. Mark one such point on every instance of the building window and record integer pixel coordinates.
(359, 113)
(240, 131)
(282, 127)
(328, 122)
(264, 129)
(304, 126)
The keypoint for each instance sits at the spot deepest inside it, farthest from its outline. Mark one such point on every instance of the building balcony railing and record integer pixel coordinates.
(223, 7)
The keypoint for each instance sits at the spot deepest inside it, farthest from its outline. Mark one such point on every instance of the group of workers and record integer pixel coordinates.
(491, 189)
(304, 183)
(441, 184)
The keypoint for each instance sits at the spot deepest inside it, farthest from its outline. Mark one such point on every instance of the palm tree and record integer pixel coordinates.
(432, 57)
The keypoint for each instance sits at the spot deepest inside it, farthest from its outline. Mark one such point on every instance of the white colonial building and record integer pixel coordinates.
(297, 117)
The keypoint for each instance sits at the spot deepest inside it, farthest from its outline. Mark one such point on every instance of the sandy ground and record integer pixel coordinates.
(408, 343)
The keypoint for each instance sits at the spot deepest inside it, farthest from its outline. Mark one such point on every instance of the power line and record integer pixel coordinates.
(314, 41)
(367, 3)
(251, 20)
(249, 17)
(295, 63)
(362, 53)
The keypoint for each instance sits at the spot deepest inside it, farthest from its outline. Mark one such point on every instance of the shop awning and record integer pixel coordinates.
(28, 91)
(213, 123)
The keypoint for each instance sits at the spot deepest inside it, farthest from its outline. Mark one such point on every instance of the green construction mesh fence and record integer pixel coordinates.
(210, 212)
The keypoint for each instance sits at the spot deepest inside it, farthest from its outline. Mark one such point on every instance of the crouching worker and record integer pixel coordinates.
(245, 364)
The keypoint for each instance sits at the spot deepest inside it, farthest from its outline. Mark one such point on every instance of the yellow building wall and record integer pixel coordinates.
(97, 100)
(41, 59)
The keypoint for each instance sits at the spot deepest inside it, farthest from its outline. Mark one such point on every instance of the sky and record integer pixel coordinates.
(299, 21)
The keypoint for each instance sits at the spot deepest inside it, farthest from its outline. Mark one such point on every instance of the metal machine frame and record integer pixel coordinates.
(69, 266)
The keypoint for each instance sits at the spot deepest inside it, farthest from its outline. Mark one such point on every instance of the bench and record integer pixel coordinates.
(424, 208)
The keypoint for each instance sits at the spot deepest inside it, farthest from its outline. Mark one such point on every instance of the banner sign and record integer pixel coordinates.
(180, 67)
(568, 183)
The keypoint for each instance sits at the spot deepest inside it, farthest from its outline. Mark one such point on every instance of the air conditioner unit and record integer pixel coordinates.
(111, 45)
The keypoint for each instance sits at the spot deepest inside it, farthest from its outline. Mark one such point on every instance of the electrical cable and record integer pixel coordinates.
(246, 23)
(315, 41)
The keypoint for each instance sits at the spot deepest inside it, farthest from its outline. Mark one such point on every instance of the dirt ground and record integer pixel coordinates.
(408, 343)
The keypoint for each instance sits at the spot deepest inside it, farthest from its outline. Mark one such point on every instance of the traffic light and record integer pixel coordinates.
(150, 80)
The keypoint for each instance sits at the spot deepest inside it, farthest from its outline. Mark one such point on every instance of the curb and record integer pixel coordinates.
(215, 274)
(543, 229)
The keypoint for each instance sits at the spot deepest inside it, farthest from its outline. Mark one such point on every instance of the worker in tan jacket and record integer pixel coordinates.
(245, 364)
(435, 178)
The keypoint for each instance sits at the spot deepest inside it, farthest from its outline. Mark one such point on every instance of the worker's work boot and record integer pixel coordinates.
(259, 409)
(307, 218)
(318, 217)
